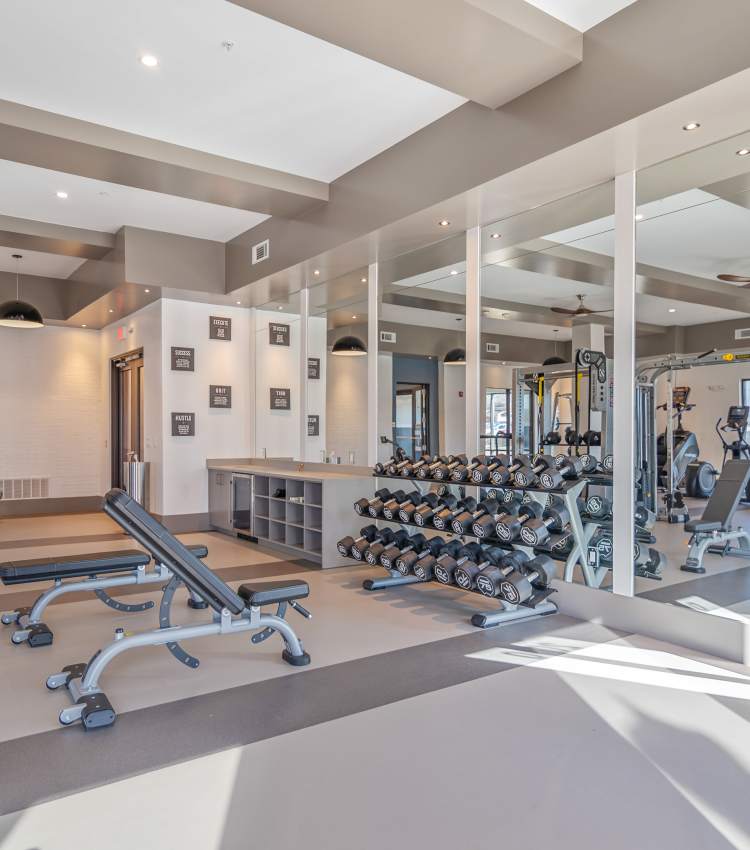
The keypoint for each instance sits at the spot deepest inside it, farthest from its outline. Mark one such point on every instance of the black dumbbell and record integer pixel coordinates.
(381, 468)
(564, 469)
(425, 471)
(488, 581)
(366, 536)
(362, 506)
(466, 573)
(410, 470)
(443, 520)
(392, 553)
(482, 473)
(359, 549)
(589, 463)
(424, 511)
(553, 438)
(425, 566)
(535, 574)
(503, 474)
(445, 508)
(509, 526)
(395, 466)
(406, 561)
(528, 476)
(591, 438)
(462, 523)
(599, 507)
(446, 565)
(608, 463)
(562, 544)
(484, 526)
(443, 471)
(463, 471)
(406, 511)
(377, 505)
(392, 511)
(392, 504)
(571, 436)
(536, 532)
(388, 537)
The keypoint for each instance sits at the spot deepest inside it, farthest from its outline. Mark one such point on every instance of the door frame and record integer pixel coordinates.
(116, 410)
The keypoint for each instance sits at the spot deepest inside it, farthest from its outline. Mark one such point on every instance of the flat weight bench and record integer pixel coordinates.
(95, 571)
(715, 531)
(232, 613)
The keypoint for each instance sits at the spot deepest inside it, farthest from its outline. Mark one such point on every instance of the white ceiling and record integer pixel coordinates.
(38, 263)
(581, 14)
(279, 98)
(29, 192)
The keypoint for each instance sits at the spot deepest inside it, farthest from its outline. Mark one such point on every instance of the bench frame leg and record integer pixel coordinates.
(700, 542)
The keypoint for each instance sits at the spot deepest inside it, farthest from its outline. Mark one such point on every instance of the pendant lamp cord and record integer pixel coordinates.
(17, 258)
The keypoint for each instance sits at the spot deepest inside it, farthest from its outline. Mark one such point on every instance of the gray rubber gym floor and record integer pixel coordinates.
(409, 729)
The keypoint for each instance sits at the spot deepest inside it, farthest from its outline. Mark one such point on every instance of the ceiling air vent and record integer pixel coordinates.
(742, 333)
(388, 336)
(261, 251)
(493, 348)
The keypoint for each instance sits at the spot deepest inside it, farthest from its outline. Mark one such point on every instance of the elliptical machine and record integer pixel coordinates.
(737, 449)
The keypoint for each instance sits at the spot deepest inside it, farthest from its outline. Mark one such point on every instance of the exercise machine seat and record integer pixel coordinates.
(723, 502)
(270, 592)
(697, 525)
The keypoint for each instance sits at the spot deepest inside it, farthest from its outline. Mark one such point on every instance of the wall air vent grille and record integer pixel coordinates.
(742, 333)
(24, 488)
(388, 336)
(493, 348)
(261, 251)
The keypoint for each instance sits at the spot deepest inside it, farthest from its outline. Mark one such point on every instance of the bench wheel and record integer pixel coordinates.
(9, 617)
(63, 719)
(18, 638)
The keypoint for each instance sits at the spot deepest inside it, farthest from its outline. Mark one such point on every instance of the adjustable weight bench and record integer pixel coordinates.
(232, 612)
(714, 531)
(88, 573)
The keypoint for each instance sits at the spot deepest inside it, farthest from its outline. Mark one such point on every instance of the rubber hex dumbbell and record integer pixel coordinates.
(381, 468)
(462, 523)
(359, 549)
(427, 469)
(589, 463)
(608, 463)
(503, 474)
(388, 537)
(378, 504)
(564, 469)
(534, 575)
(362, 506)
(463, 471)
(425, 513)
(528, 476)
(406, 561)
(443, 520)
(366, 535)
(392, 504)
(395, 467)
(484, 526)
(466, 573)
(406, 511)
(391, 509)
(482, 473)
(509, 527)
(490, 579)
(536, 532)
(410, 469)
(599, 507)
(443, 471)
(425, 566)
(393, 553)
(446, 565)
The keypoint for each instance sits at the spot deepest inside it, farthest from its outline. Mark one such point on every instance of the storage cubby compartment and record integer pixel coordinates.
(278, 532)
(294, 536)
(261, 527)
(261, 507)
(277, 510)
(295, 514)
(313, 493)
(276, 486)
(313, 541)
(313, 518)
(295, 489)
(261, 485)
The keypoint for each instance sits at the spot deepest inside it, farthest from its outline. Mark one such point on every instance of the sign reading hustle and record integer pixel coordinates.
(281, 399)
(183, 424)
(219, 395)
(278, 334)
(183, 359)
(219, 328)
(313, 425)
(313, 368)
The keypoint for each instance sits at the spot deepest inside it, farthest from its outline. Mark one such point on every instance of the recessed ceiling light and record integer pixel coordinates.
(363, 280)
(238, 302)
(453, 271)
(444, 222)
(111, 310)
(639, 217)
(84, 326)
(280, 307)
(149, 60)
(62, 195)
(743, 152)
(494, 235)
(354, 317)
(691, 125)
(672, 310)
(147, 290)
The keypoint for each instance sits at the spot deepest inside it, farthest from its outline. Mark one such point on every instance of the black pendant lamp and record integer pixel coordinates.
(349, 346)
(19, 314)
(455, 357)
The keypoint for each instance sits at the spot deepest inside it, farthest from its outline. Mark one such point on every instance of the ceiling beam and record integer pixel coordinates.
(46, 140)
(486, 51)
(28, 235)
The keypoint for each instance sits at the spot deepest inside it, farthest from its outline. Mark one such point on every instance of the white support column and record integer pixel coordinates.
(304, 315)
(473, 337)
(623, 579)
(373, 301)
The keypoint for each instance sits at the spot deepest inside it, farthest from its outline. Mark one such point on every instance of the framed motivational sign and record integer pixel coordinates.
(219, 328)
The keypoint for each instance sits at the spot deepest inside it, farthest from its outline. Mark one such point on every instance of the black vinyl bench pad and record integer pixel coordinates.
(79, 566)
(260, 593)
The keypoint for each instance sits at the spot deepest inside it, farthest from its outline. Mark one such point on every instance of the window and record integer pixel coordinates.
(497, 419)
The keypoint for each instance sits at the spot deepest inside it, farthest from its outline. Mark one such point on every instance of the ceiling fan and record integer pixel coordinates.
(580, 310)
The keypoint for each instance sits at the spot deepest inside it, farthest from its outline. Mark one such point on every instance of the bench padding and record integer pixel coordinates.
(260, 593)
(69, 566)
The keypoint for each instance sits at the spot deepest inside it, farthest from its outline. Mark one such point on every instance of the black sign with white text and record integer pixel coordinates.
(183, 359)
(183, 424)
(219, 395)
(313, 426)
(278, 334)
(219, 328)
(313, 368)
(281, 399)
